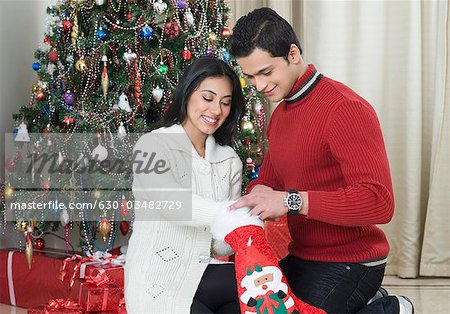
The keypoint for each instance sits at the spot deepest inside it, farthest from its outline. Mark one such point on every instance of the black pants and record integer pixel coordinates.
(338, 287)
(217, 291)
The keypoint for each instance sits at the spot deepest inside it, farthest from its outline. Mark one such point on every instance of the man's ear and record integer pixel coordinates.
(294, 55)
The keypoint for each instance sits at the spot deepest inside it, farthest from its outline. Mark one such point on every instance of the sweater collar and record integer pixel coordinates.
(304, 85)
(214, 152)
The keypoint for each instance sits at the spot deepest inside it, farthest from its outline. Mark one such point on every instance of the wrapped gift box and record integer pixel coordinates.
(33, 287)
(105, 297)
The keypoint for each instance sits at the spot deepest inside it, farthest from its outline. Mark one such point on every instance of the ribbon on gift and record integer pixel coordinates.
(60, 304)
(101, 259)
(12, 295)
(65, 268)
(100, 280)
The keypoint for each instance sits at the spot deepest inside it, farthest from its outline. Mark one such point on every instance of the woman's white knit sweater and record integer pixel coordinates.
(166, 258)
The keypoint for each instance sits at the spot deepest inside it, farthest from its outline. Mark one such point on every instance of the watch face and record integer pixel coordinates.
(294, 201)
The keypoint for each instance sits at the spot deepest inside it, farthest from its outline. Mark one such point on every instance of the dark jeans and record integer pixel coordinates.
(217, 291)
(338, 287)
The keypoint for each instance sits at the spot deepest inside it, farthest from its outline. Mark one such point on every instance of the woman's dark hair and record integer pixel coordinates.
(263, 28)
(193, 76)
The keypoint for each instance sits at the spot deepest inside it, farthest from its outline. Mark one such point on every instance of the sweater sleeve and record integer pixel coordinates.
(267, 175)
(356, 142)
(149, 187)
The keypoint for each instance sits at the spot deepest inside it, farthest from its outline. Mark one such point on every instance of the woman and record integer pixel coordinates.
(169, 265)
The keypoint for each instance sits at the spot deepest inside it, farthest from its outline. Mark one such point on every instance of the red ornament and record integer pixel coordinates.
(68, 120)
(53, 56)
(124, 227)
(39, 244)
(40, 95)
(247, 141)
(45, 185)
(186, 54)
(225, 32)
(67, 25)
(47, 40)
(129, 17)
(10, 164)
(172, 29)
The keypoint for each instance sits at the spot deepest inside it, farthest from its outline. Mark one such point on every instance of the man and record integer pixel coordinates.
(326, 168)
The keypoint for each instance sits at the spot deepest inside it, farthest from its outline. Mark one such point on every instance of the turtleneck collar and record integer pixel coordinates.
(304, 85)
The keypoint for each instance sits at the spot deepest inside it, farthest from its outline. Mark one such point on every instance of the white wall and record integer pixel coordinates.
(22, 27)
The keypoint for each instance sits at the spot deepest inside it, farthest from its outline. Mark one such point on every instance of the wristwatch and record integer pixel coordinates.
(293, 201)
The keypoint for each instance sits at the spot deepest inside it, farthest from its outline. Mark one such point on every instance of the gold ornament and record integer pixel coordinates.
(28, 249)
(80, 65)
(104, 227)
(212, 38)
(8, 192)
(105, 78)
(225, 32)
(21, 225)
(243, 83)
(35, 87)
(247, 125)
(74, 34)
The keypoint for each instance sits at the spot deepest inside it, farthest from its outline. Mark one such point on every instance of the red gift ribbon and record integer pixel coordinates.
(99, 280)
(59, 304)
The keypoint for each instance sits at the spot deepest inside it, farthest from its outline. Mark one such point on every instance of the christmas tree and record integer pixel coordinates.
(107, 68)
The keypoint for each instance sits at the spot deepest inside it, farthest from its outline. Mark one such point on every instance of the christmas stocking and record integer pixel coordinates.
(262, 287)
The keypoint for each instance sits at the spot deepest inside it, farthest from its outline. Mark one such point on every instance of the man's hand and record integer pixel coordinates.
(266, 203)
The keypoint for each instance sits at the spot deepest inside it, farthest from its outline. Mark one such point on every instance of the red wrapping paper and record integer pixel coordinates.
(31, 288)
(99, 298)
(43, 310)
(57, 306)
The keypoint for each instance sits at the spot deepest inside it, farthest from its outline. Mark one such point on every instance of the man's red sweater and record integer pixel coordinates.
(326, 140)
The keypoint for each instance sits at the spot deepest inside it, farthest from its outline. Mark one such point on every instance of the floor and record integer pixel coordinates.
(429, 295)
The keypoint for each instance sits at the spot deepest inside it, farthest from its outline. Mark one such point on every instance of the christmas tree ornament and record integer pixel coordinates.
(74, 33)
(162, 68)
(53, 56)
(28, 247)
(21, 225)
(123, 104)
(257, 106)
(225, 32)
(104, 227)
(60, 158)
(69, 98)
(243, 83)
(254, 175)
(160, 7)
(39, 244)
(35, 87)
(45, 185)
(68, 120)
(105, 78)
(42, 84)
(250, 164)
(40, 95)
(80, 65)
(157, 94)
(22, 133)
(172, 29)
(101, 34)
(129, 56)
(10, 164)
(124, 227)
(212, 38)
(129, 16)
(96, 194)
(36, 66)
(137, 85)
(100, 152)
(64, 218)
(181, 4)
(67, 25)
(209, 52)
(189, 17)
(121, 131)
(99, 2)
(146, 32)
(247, 125)
(123, 207)
(225, 55)
(186, 54)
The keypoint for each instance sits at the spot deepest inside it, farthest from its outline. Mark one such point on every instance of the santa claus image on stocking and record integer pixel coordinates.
(262, 287)
(265, 291)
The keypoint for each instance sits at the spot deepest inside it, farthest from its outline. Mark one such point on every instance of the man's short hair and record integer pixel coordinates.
(263, 28)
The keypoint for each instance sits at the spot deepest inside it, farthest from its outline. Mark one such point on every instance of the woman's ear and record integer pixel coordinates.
(294, 55)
